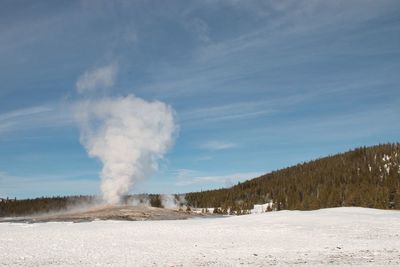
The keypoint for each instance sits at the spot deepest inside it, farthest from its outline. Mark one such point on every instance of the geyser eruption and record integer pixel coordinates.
(129, 135)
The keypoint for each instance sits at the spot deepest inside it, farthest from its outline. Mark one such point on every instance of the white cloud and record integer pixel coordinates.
(102, 77)
(217, 145)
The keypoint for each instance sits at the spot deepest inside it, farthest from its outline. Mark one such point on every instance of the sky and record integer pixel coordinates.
(255, 85)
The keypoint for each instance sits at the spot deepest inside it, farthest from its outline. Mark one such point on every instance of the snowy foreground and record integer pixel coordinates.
(341, 236)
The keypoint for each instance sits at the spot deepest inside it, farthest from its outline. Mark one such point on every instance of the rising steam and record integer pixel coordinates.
(129, 135)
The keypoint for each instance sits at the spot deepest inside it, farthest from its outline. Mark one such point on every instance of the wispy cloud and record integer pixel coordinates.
(291, 34)
(184, 173)
(307, 74)
(244, 110)
(24, 112)
(376, 121)
(102, 77)
(227, 112)
(36, 117)
(192, 177)
(12, 120)
(200, 28)
(214, 145)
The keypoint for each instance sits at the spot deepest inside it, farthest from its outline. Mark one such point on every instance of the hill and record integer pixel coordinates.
(364, 177)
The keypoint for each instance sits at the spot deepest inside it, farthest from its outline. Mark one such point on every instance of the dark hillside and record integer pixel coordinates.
(366, 177)
(22, 207)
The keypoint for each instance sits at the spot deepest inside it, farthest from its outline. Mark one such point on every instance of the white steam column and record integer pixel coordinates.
(129, 135)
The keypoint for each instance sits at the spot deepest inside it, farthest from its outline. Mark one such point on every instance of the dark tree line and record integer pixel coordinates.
(10, 208)
(366, 177)
(24, 207)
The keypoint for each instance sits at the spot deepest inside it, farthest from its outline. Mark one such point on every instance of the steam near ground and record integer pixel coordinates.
(340, 236)
(168, 201)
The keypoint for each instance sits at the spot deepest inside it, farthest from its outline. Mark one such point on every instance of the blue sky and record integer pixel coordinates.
(256, 85)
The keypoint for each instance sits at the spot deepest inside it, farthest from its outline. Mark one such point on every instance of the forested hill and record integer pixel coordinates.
(366, 177)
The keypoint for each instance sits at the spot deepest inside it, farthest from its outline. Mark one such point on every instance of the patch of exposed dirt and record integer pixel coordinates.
(123, 212)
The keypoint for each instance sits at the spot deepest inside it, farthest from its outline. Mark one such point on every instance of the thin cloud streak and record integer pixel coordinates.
(24, 112)
(215, 145)
(242, 110)
(331, 128)
(225, 180)
(37, 117)
(285, 41)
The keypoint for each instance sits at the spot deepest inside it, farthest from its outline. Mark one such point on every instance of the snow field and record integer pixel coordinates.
(340, 236)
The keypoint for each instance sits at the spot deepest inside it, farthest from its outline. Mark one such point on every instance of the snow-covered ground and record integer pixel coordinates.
(341, 236)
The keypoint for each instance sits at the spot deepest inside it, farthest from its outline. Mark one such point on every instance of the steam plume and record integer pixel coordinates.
(102, 77)
(129, 135)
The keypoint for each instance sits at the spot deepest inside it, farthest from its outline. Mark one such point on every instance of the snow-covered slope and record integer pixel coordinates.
(337, 236)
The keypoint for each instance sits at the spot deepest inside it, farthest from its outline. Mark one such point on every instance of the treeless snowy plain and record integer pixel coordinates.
(340, 236)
